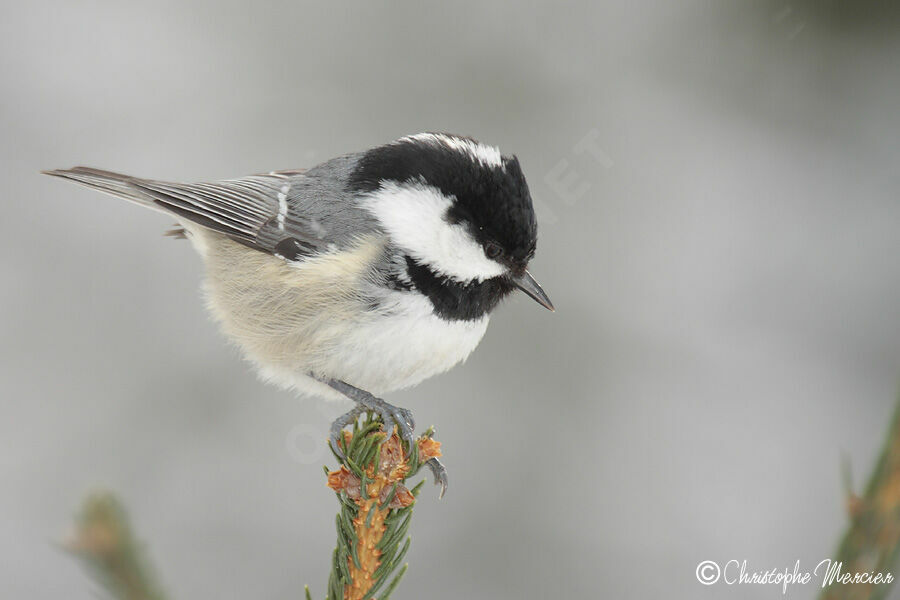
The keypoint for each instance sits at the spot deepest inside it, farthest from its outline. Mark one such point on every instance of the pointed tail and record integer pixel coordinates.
(115, 184)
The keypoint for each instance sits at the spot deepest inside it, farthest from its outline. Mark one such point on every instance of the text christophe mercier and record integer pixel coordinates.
(828, 572)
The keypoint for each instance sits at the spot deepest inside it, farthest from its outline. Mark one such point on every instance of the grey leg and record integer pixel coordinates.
(390, 414)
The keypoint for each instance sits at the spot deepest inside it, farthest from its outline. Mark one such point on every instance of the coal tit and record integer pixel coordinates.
(365, 274)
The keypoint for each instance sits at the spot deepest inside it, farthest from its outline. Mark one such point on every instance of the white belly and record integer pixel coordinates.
(403, 349)
(386, 353)
(293, 320)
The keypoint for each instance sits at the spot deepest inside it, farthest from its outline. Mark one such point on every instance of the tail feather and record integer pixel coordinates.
(115, 184)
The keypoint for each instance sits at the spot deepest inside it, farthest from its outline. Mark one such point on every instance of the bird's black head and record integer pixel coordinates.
(456, 207)
(488, 192)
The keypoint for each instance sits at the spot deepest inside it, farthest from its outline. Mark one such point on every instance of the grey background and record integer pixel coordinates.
(727, 287)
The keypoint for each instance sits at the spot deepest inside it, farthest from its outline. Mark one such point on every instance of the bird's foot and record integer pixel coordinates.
(336, 437)
(440, 473)
(390, 415)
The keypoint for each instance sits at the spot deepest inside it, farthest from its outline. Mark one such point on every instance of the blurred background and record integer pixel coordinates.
(720, 232)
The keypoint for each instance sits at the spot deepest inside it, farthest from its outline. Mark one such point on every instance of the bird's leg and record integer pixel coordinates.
(390, 414)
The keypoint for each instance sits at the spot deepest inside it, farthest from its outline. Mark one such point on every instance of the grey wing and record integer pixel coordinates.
(286, 213)
(253, 210)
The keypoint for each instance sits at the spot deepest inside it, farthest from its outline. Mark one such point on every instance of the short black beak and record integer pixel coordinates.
(527, 284)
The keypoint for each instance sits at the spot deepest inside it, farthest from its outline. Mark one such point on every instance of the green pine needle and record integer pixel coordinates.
(390, 589)
(362, 452)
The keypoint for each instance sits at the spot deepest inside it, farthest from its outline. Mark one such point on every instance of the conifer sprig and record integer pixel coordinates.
(375, 509)
(105, 545)
(871, 543)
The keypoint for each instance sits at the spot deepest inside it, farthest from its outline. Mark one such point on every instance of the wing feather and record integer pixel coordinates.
(286, 213)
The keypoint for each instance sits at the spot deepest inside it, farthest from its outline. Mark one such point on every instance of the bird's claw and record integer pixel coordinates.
(336, 435)
(390, 415)
(402, 419)
(440, 473)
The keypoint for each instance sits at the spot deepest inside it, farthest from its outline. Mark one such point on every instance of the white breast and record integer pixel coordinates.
(404, 345)
(291, 320)
(387, 352)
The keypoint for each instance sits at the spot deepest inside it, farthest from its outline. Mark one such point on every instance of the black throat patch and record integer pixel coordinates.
(454, 301)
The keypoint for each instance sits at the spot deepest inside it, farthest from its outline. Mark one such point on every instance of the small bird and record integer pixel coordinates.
(365, 274)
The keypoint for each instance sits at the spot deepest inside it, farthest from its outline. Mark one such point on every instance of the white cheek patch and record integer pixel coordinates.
(413, 214)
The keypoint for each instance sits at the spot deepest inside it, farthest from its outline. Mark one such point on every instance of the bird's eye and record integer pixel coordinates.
(493, 250)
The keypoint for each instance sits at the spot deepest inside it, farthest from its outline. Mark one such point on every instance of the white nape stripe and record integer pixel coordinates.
(486, 155)
(414, 216)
